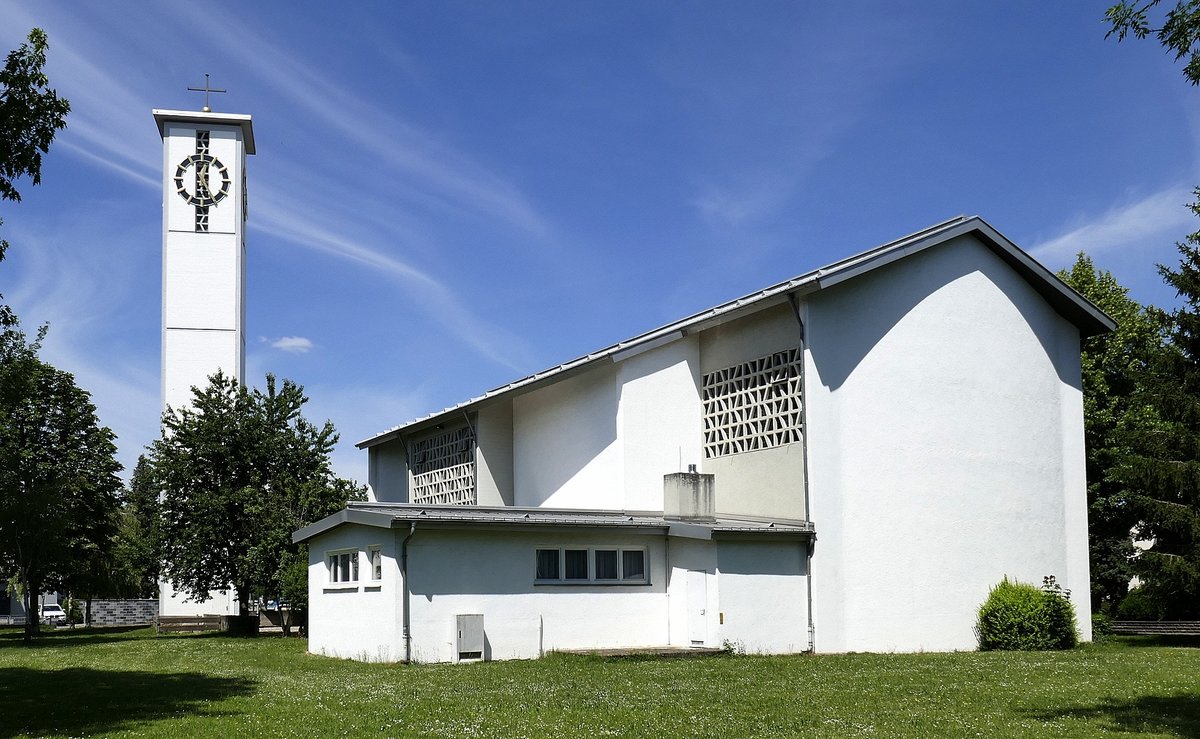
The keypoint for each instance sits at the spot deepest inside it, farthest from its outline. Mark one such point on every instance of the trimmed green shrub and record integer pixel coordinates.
(1137, 606)
(1020, 616)
(1060, 615)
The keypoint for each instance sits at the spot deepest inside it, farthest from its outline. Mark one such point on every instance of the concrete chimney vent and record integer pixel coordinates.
(689, 496)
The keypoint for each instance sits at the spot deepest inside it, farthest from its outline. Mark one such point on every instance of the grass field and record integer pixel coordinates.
(131, 683)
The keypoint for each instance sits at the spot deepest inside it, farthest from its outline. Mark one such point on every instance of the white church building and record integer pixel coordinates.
(845, 461)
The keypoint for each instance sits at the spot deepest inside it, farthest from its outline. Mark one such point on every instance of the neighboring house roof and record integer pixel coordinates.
(1071, 305)
(391, 515)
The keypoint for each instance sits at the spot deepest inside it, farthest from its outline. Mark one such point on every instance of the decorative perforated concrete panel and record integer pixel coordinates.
(753, 405)
(442, 468)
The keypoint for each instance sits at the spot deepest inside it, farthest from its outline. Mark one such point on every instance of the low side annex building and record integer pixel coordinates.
(845, 461)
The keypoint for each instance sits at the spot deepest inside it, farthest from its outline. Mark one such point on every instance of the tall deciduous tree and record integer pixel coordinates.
(58, 473)
(1163, 471)
(30, 114)
(1114, 410)
(239, 471)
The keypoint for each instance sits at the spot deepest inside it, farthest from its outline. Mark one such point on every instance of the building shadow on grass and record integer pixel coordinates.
(1178, 715)
(82, 701)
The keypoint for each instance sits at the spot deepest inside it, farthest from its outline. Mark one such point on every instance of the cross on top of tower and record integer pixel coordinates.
(206, 89)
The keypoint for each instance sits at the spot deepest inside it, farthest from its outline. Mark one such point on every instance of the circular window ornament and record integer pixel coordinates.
(206, 165)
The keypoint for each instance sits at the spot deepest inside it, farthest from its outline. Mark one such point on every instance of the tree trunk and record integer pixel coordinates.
(33, 589)
(87, 612)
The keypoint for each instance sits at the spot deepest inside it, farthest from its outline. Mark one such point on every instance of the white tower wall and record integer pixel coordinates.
(204, 251)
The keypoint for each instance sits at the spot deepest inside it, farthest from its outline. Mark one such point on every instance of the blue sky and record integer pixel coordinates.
(449, 196)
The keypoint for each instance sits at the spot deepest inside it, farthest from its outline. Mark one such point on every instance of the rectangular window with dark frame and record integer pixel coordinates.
(547, 564)
(633, 564)
(601, 565)
(606, 564)
(577, 564)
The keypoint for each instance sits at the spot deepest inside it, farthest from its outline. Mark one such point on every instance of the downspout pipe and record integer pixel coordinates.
(810, 545)
(404, 612)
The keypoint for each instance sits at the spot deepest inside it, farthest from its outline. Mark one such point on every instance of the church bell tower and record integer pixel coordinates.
(204, 271)
(204, 248)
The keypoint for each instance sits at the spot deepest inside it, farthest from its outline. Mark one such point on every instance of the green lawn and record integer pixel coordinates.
(131, 683)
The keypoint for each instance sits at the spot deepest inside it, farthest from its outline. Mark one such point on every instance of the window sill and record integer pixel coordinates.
(341, 588)
(590, 583)
(372, 588)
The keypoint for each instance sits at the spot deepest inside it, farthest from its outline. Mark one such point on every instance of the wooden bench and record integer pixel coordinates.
(186, 624)
(1157, 628)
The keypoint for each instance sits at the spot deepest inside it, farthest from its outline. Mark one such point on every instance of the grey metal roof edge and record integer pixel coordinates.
(243, 120)
(390, 514)
(342, 517)
(1090, 319)
(389, 505)
(1062, 297)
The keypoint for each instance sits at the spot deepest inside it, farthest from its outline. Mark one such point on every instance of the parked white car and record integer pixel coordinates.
(53, 613)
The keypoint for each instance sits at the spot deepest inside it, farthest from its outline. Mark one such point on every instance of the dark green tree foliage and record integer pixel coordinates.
(30, 114)
(58, 473)
(135, 559)
(1163, 472)
(238, 472)
(1018, 616)
(1179, 32)
(1112, 364)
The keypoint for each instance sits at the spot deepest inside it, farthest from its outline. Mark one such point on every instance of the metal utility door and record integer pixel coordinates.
(697, 600)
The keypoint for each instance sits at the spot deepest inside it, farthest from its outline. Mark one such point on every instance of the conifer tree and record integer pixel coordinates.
(1163, 472)
(1113, 365)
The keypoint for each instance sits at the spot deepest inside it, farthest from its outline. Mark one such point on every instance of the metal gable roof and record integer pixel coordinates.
(1087, 317)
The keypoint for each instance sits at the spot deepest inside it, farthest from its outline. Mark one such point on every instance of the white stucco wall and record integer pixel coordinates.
(492, 573)
(191, 356)
(756, 587)
(945, 449)
(494, 453)
(359, 620)
(767, 482)
(605, 438)
(174, 603)
(565, 451)
(763, 596)
(660, 420)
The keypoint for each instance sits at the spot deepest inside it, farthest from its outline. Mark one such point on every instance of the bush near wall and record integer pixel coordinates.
(1020, 616)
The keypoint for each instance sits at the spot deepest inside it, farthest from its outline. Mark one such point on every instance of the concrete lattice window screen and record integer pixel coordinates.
(442, 468)
(754, 405)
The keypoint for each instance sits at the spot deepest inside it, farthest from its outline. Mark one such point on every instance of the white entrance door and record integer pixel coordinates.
(697, 598)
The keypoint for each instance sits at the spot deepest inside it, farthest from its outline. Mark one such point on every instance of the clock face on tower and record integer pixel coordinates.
(206, 167)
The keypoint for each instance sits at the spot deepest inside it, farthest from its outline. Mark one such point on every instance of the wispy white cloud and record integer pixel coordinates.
(439, 301)
(1159, 217)
(388, 139)
(293, 344)
(80, 292)
(745, 201)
